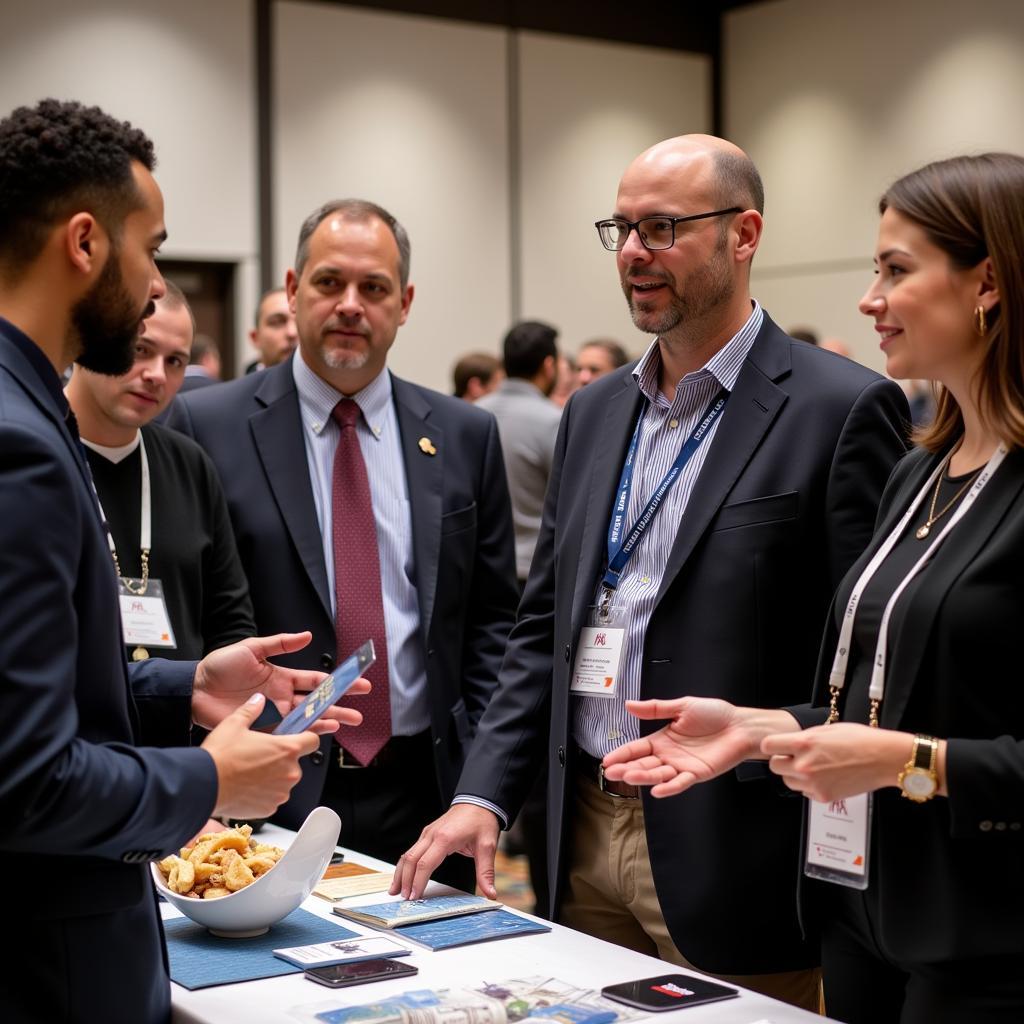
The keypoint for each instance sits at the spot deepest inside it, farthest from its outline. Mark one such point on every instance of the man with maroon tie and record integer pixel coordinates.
(368, 507)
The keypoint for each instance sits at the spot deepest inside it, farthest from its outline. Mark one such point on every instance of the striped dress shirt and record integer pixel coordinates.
(600, 723)
(380, 443)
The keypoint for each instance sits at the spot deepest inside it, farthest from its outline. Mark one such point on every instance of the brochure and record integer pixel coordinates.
(545, 1000)
(344, 951)
(343, 880)
(403, 912)
(464, 931)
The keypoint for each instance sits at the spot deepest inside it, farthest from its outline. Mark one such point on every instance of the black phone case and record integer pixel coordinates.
(407, 970)
(668, 992)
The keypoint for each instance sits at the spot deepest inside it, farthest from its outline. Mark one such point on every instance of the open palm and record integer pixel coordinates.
(704, 738)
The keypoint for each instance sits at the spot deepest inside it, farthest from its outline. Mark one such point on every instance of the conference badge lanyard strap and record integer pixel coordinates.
(602, 640)
(838, 832)
(144, 617)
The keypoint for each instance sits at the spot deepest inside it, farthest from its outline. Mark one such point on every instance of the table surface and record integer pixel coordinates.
(562, 953)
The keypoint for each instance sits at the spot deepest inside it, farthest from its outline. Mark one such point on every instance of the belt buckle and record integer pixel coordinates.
(600, 783)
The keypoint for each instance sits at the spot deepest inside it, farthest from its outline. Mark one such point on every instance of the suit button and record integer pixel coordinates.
(568, 652)
(326, 663)
(437, 741)
(985, 826)
(430, 652)
(561, 756)
(1014, 826)
(1000, 826)
(317, 757)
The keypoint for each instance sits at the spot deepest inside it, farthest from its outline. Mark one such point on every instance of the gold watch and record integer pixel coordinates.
(919, 781)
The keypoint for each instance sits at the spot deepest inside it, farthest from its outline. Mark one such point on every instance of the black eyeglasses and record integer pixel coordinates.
(653, 232)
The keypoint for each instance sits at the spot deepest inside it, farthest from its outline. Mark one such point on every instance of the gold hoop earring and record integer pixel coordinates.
(980, 321)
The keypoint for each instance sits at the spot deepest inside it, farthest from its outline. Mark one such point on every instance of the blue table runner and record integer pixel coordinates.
(199, 959)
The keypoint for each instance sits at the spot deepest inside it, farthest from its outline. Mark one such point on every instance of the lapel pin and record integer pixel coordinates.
(427, 446)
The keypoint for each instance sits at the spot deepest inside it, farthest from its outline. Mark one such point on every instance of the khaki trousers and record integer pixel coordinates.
(610, 893)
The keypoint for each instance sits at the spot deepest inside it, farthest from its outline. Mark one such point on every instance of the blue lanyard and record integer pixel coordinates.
(620, 551)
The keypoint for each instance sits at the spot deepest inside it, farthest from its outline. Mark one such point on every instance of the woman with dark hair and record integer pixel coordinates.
(912, 750)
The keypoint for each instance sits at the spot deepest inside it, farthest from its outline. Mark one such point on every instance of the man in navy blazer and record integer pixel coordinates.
(83, 808)
(724, 594)
(441, 525)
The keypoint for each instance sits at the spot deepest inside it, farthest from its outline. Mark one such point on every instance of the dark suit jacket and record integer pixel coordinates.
(82, 808)
(946, 876)
(462, 544)
(784, 503)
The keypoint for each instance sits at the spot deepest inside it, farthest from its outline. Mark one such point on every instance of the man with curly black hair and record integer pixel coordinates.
(83, 808)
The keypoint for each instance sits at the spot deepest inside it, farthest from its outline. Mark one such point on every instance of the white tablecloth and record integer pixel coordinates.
(563, 953)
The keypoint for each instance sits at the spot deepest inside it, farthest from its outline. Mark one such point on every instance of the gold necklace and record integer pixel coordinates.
(923, 531)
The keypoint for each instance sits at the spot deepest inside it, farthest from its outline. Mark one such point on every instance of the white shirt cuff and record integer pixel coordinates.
(479, 801)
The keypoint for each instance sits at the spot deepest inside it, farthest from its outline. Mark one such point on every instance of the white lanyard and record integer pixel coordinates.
(837, 678)
(145, 525)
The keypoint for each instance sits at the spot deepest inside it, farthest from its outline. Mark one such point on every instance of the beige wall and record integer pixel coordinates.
(587, 108)
(410, 113)
(834, 100)
(183, 73)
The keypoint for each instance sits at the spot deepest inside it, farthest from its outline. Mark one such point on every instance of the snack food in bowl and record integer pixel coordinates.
(216, 864)
(253, 885)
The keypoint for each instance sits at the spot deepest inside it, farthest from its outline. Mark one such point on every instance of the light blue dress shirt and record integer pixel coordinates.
(380, 443)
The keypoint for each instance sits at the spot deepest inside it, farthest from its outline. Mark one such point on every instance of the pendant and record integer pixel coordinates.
(140, 654)
(923, 531)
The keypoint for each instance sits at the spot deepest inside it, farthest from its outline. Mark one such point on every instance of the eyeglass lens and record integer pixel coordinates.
(655, 233)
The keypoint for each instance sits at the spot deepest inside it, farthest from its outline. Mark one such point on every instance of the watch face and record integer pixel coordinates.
(918, 782)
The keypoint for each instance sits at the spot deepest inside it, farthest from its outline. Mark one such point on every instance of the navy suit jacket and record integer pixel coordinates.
(83, 809)
(784, 503)
(462, 544)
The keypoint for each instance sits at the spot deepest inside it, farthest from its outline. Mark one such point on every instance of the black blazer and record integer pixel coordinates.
(462, 543)
(784, 503)
(82, 807)
(948, 876)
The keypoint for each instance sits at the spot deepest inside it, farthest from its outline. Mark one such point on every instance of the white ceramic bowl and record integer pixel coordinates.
(274, 895)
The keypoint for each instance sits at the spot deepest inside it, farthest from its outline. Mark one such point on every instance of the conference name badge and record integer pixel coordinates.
(837, 840)
(144, 617)
(595, 672)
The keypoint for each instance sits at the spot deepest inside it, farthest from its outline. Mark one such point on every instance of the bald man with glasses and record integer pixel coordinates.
(703, 506)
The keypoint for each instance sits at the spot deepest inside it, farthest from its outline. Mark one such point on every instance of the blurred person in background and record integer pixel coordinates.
(204, 364)
(567, 383)
(476, 374)
(273, 336)
(597, 358)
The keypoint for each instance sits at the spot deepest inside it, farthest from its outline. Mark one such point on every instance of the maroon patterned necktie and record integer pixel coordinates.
(360, 610)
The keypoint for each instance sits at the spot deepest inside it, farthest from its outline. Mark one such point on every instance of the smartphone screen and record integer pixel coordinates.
(668, 992)
(339, 975)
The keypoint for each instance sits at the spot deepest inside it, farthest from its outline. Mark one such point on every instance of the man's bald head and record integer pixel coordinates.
(714, 168)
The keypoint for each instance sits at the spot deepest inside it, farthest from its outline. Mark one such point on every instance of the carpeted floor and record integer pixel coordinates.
(512, 880)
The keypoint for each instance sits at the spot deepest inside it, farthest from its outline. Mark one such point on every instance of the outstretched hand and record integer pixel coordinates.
(227, 677)
(463, 828)
(705, 738)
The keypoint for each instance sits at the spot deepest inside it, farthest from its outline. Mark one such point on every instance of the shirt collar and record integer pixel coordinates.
(724, 365)
(118, 454)
(520, 386)
(317, 398)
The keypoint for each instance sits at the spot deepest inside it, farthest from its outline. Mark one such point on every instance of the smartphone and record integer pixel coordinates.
(340, 975)
(336, 684)
(668, 992)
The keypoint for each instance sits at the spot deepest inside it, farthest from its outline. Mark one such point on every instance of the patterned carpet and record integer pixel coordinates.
(512, 880)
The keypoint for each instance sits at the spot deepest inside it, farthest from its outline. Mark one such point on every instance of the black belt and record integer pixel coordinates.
(591, 767)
